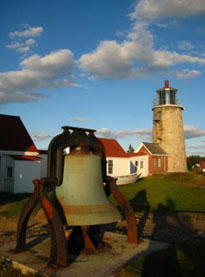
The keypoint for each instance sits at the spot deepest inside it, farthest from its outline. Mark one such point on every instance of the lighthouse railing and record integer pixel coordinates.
(157, 102)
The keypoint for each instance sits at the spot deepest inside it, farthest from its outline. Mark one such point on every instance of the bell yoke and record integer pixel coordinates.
(75, 193)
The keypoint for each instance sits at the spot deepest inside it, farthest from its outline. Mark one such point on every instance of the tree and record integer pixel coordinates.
(130, 149)
(193, 160)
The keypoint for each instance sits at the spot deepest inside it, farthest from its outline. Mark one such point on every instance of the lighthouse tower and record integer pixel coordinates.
(168, 128)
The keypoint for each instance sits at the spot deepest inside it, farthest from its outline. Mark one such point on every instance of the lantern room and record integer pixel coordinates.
(167, 95)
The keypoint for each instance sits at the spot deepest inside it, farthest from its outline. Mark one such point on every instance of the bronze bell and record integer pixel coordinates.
(81, 193)
(79, 187)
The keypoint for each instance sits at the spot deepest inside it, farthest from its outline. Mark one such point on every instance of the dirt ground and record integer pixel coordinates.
(172, 227)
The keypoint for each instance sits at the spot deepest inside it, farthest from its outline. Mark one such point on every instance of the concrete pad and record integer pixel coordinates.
(105, 263)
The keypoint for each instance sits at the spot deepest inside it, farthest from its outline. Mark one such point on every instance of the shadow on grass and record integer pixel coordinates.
(184, 257)
(6, 197)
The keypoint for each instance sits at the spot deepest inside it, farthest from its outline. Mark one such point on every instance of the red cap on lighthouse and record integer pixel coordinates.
(166, 84)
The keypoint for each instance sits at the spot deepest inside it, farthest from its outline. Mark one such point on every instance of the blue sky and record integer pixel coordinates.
(98, 64)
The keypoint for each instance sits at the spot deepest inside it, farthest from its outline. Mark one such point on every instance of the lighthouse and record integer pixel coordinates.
(168, 128)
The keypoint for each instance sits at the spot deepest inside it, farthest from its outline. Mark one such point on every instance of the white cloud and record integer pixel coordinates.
(167, 58)
(28, 32)
(185, 45)
(20, 47)
(79, 119)
(187, 74)
(197, 147)
(141, 133)
(193, 132)
(135, 57)
(18, 97)
(158, 9)
(51, 71)
(110, 60)
(162, 25)
(132, 58)
(196, 150)
(23, 45)
(40, 136)
(14, 45)
(189, 131)
(30, 42)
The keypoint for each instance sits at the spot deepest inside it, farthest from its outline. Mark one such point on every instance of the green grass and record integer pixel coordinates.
(171, 192)
(11, 205)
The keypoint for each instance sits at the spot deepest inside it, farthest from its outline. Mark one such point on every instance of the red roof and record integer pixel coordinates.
(14, 136)
(25, 158)
(113, 148)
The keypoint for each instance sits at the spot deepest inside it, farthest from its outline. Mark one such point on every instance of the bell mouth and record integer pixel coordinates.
(77, 215)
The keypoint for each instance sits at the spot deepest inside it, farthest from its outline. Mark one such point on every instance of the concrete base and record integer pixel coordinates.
(108, 261)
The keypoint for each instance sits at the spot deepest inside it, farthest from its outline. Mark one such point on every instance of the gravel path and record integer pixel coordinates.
(170, 227)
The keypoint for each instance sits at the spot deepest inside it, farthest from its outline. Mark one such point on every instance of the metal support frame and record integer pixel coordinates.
(58, 251)
(70, 137)
(126, 207)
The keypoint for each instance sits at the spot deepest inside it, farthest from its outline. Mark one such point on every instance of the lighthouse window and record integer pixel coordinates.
(162, 97)
(172, 97)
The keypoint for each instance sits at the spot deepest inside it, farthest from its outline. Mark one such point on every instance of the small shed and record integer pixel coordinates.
(157, 157)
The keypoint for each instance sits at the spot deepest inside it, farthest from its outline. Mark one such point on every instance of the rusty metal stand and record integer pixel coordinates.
(88, 244)
(132, 236)
(58, 250)
(70, 137)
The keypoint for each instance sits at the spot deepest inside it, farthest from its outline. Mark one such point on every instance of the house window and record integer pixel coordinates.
(136, 165)
(159, 164)
(141, 164)
(9, 173)
(110, 166)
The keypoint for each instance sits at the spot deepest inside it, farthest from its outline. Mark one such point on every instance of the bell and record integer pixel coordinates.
(81, 193)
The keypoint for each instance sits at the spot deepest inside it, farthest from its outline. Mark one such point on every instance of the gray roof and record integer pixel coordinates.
(154, 148)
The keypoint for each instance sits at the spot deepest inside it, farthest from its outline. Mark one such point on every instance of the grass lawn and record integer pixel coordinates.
(166, 193)
(11, 204)
(171, 192)
(176, 192)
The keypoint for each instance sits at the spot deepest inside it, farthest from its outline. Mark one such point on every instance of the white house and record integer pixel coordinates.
(43, 154)
(139, 164)
(19, 161)
(120, 162)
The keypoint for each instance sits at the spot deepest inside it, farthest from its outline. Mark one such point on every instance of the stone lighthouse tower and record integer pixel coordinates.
(168, 128)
